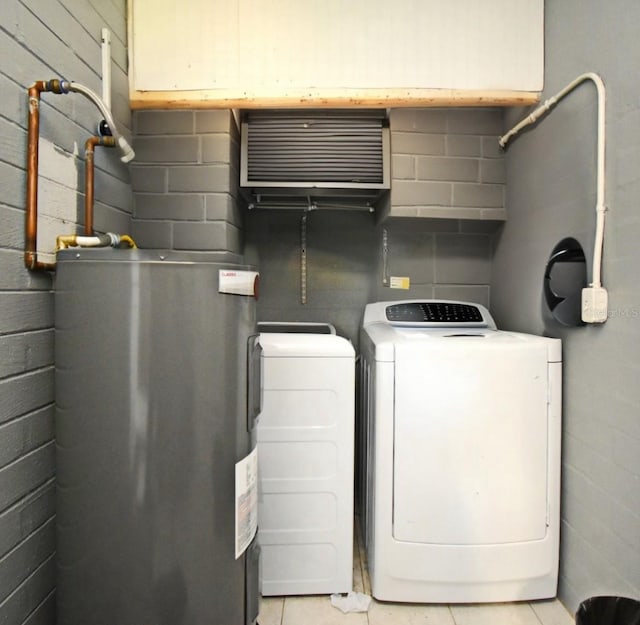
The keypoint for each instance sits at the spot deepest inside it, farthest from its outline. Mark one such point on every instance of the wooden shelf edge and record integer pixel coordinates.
(366, 98)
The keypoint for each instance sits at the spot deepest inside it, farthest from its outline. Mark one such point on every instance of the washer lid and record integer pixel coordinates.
(296, 345)
(299, 327)
(387, 339)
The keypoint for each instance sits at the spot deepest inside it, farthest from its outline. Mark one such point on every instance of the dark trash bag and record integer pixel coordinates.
(608, 611)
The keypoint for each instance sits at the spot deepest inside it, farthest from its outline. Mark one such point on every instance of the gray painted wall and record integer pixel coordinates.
(43, 40)
(438, 155)
(447, 163)
(185, 181)
(550, 195)
(345, 264)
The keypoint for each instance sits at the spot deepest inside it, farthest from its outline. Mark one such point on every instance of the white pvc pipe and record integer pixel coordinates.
(106, 67)
(82, 241)
(123, 144)
(600, 172)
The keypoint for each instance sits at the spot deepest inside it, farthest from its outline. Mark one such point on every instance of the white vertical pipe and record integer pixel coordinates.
(600, 169)
(600, 200)
(106, 67)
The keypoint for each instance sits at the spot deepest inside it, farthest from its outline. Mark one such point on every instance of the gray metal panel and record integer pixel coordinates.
(336, 155)
(299, 147)
(150, 421)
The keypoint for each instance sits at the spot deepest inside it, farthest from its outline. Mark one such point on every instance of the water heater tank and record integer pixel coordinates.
(152, 418)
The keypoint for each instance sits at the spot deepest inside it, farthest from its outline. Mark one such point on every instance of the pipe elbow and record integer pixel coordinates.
(127, 151)
(125, 238)
(30, 260)
(63, 241)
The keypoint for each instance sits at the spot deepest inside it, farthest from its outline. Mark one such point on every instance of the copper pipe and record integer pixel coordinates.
(89, 178)
(31, 219)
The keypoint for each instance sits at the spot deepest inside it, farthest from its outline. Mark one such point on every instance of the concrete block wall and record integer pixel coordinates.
(38, 41)
(185, 181)
(448, 174)
(551, 174)
(345, 268)
(446, 163)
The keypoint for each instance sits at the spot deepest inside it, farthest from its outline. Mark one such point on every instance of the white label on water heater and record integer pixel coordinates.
(246, 501)
(238, 282)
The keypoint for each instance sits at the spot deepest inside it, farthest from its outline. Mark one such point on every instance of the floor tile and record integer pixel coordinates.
(552, 612)
(271, 609)
(317, 611)
(494, 614)
(409, 614)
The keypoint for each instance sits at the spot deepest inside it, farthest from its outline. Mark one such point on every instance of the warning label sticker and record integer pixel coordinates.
(246, 501)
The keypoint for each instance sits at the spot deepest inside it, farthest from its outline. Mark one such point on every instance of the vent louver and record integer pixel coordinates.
(323, 157)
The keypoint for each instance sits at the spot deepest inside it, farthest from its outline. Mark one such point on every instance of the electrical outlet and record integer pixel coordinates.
(594, 304)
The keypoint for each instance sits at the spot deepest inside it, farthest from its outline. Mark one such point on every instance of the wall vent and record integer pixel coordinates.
(314, 158)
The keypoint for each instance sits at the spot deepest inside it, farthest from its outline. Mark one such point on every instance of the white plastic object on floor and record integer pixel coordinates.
(351, 602)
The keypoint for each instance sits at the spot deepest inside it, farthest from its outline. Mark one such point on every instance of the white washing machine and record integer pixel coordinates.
(461, 429)
(306, 460)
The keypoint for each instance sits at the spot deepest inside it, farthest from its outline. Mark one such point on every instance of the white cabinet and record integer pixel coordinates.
(243, 53)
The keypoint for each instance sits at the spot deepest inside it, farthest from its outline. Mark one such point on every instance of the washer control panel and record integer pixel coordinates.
(429, 313)
(433, 312)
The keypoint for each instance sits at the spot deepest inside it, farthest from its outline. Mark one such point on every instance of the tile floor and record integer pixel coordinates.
(317, 609)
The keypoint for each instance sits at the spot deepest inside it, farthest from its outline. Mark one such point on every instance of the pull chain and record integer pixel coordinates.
(303, 259)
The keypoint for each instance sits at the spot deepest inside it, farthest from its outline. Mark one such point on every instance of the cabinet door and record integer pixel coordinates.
(287, 50)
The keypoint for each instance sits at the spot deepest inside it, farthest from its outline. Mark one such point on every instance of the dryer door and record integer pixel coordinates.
(470, 441)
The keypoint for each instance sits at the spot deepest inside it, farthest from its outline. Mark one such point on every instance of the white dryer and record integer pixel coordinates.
(461, 427)
(306, 460)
